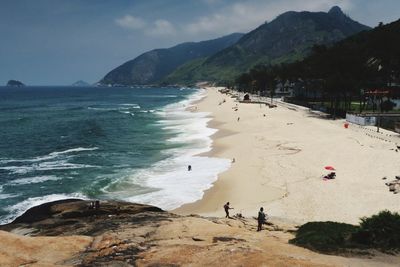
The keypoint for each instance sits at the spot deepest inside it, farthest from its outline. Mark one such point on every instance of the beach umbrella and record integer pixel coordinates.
(329, 168)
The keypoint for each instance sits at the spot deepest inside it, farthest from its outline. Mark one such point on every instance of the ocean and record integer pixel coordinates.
(131, 144)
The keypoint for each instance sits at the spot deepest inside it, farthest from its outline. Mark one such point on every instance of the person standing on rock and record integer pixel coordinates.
(227, 208)
(260, 219)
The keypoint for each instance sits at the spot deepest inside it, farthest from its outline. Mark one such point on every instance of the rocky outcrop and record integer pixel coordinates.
(75, 233)
(81, 83)
(77, 217)
(15, 83)
(18, 250)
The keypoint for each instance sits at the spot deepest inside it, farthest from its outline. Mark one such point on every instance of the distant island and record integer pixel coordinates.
(81, 83)
(15, 83)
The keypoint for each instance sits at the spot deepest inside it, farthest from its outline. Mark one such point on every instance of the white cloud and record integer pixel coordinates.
(161, 27)
(242, 17)
(131, 22)
(158, 28)
(212, 2)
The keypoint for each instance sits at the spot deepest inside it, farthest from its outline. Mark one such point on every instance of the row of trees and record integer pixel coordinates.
(341, 73)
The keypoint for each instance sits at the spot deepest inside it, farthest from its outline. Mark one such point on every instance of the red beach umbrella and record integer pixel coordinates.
(329, 168)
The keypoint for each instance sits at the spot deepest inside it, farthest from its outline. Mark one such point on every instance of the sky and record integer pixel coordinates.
(58, 42)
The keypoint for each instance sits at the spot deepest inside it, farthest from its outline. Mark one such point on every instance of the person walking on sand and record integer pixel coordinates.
(260, 219)
(227, 208)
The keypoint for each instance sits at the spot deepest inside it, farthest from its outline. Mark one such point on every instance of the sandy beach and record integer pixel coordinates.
(280, 160)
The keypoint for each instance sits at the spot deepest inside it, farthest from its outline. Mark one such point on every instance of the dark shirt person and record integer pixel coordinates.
(260, 219)
(227, 208)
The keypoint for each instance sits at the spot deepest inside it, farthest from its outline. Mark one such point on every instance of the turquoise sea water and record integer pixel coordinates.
(132, 144)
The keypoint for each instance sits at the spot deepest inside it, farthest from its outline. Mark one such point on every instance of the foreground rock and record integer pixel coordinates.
(17, 250)
(69, 233)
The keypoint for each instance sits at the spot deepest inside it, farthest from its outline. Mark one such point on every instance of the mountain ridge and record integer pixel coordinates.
(154, 65)
(289, 37)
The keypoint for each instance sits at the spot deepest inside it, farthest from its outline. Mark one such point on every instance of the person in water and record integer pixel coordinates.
(260, 219)
(189, 168)
(227, 208)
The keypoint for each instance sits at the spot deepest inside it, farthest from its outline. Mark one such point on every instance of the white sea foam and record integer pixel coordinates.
(57, 160)
(130, 105)
(78, 149)
(117, 107)
(128, 112)
(156, 96)
(49, 156)
(34, 180)
(147, 111)
(45, 166)
(105, 109)
(19, 208)
(170, 181)
(176, 185)
(7, 196)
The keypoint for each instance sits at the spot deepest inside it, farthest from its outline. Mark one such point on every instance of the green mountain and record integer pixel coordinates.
(154, 65)
(340, 74)
(287, 38)
(369, 59)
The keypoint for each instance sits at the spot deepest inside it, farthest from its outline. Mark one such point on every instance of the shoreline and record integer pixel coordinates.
(280, 161)
(173, 184)
(186, 135)
(214, 198)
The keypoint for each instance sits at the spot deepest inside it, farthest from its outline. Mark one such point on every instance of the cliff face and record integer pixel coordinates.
(124, 234)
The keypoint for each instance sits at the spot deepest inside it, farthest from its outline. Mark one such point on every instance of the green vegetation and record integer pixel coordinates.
(153, 66)
(286, 39)
(324, 236)
(355, 106)
(185, 73)
(340, 74)
(381, 231)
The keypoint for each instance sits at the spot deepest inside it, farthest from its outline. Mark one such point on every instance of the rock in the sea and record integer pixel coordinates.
(15, 83)
(81, 83)
(77, 217)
